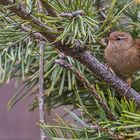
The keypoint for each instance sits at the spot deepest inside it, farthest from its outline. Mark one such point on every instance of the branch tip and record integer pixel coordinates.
(72, 14)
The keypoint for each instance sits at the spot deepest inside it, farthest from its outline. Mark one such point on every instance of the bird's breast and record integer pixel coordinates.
(123, 62)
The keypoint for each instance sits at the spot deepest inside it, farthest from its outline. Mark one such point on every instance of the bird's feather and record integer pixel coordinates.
(138, 45)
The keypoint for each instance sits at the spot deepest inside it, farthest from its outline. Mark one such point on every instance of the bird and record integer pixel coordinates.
(122, 55)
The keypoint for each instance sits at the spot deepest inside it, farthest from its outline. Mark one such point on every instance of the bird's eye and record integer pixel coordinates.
(118, 38)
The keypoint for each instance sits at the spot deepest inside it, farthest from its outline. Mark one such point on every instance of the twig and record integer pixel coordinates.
(98, 127)
(88, 85)
(41, 81)
(98, 4)
(72, 14)
(41, 89)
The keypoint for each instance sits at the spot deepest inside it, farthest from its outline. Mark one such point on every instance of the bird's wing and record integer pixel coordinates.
(138, 45)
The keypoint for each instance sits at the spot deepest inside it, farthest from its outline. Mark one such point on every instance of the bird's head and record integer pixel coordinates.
(123, 40)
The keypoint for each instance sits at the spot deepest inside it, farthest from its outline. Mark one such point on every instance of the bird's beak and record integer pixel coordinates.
(106, 39)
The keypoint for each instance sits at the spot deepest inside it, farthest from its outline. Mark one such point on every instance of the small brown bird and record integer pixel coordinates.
(122, 54)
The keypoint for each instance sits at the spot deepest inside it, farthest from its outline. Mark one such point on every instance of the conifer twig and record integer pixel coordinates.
(41, 89)
(41, 80)
(72, 14)
(89, 86)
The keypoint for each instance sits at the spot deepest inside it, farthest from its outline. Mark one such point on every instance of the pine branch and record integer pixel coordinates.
(83, 56)
(88, 85)
(22, 13)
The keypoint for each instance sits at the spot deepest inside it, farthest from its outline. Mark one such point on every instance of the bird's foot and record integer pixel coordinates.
(129, 82)
(109, 68)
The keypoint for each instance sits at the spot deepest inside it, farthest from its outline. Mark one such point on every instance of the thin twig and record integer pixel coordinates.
(41, 89)
(41, 80)
(98, 4)
(88, 85)
(112, 134)
(72, 14)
